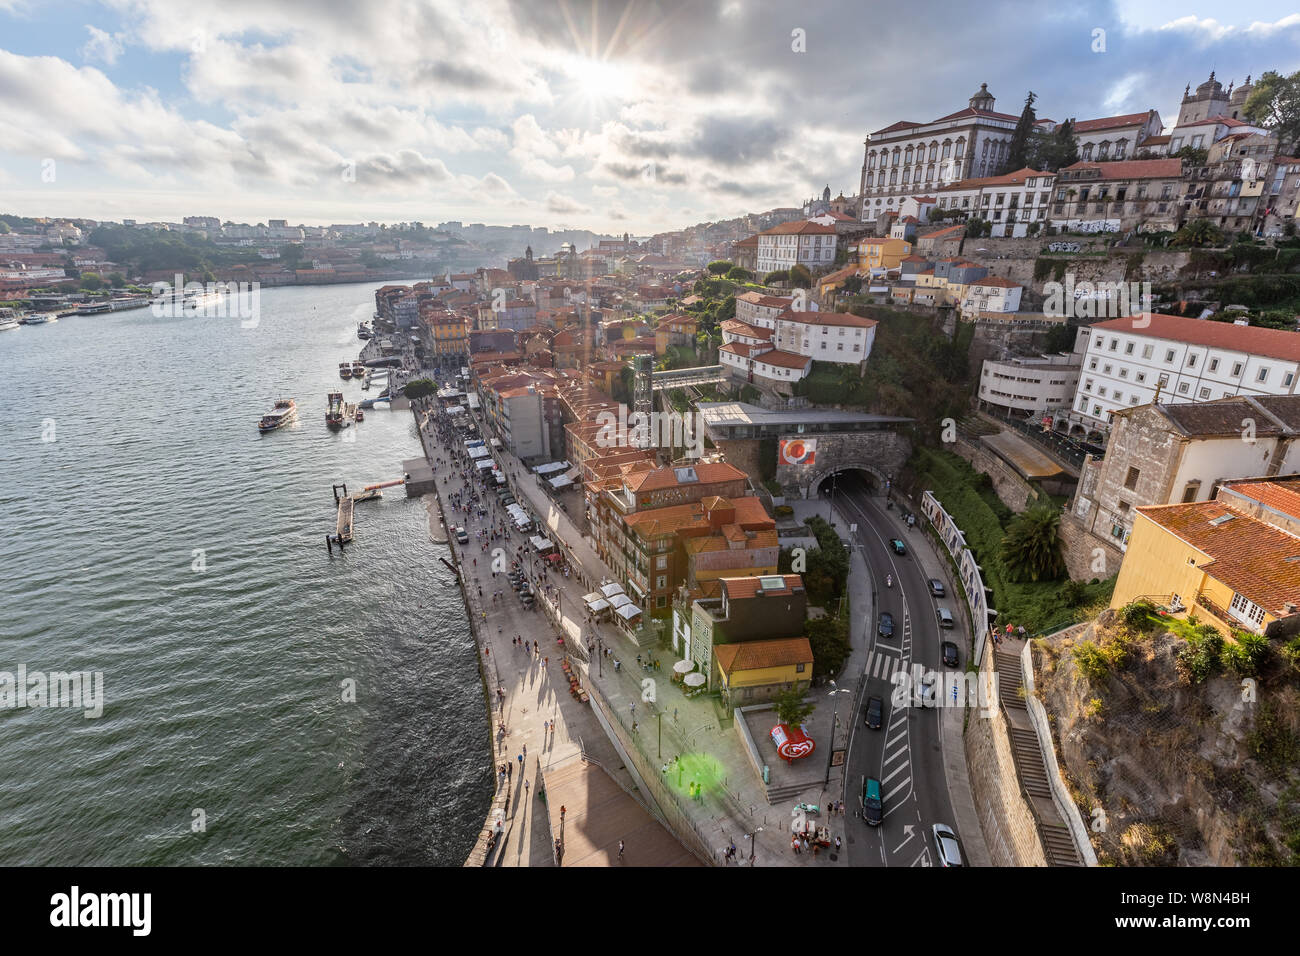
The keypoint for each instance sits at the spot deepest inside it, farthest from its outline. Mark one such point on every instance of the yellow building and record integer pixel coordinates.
(1215, 559)
(880, 253)
(756, 671)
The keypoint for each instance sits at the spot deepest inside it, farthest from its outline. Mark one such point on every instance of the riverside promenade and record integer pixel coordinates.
(567, 759)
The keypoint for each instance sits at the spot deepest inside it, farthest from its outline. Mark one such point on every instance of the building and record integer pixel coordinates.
(1010, 203)
(1162, 454)
(907, 158)
(754, 308)
(990, 294)
(1030, 387)
(747, 608)
(1151, 357)
(1142, 194)
(449, 334)
(808, 244)
(1116, 138)
(1233, 562)
(1209, 114)
(1283, 197)
(1232, 189)
(877, 255)
(826, 336)
(758, 671)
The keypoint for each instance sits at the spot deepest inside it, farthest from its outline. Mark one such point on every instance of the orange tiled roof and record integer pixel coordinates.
(705, 472)
(757, 655)
(749, 586)
(1254, 340)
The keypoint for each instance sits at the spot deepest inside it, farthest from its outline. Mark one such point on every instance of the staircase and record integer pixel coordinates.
(1058, 843)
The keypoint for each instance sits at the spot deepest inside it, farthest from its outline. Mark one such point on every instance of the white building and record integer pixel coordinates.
(1115, 138)
(1168, 358)
(990, 294)
(754, 308)
(826, 336)
(1026, 386)
(809, 244)
(1010, 202)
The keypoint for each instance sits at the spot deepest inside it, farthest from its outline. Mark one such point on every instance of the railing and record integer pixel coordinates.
(1061, 446)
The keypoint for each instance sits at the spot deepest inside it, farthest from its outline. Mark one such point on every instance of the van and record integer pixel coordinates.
(872, 807)
(945, 617)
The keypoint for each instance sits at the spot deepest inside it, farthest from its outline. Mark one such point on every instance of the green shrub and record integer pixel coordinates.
(1202, 658)
(1246, 656)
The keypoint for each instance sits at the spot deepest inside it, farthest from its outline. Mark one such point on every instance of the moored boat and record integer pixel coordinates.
(284, 412)
(345, 370)
(334, 417)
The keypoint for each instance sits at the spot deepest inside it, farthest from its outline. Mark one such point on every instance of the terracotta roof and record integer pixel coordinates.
(1111, 122)
(1134, 169)
(750, 585)
(780, 359)
(1253, 558)
(751, 242)
(1155, 141)
(996, 281)
(1280, 494)
(1007, 179)
(827, 318)
(737, 327)
(758, 655)
(757, 298)
(974, 114)
(666, 477)
(839, 275)
(1217, 418)
(942, 234)
(743, 350)
(925, 199)
(901, 124)
(1273, 343)
(803, 228)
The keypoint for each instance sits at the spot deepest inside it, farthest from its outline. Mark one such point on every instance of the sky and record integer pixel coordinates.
(637, 115)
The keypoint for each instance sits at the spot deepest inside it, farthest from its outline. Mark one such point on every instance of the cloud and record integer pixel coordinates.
(563, 205)
(102, 46)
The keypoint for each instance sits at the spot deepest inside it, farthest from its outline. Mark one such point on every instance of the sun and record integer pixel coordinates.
(598, 84)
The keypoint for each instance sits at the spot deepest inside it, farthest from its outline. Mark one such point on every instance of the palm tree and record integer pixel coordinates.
(1031, 549)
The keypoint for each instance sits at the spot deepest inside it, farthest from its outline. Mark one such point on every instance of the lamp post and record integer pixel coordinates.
(835, 722)
(752, 834)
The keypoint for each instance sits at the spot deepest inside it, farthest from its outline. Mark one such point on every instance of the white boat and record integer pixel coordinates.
(37, 318)
(8, 320)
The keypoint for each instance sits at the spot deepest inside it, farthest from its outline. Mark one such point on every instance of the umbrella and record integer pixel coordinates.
(683, 667)
(694, 680)
(628, 611)
(593, 596)
(609, 590)
(598, 605)
(620, 600)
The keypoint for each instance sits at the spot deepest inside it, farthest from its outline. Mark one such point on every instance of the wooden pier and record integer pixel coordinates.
(343, 523)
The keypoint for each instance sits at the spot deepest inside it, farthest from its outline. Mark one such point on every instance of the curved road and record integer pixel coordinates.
(905, 755)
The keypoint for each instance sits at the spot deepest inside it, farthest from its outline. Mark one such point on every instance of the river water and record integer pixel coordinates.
(154, 536)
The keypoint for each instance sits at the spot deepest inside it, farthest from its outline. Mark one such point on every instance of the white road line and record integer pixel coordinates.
(894, 756)
(905, 842)
(896, 771)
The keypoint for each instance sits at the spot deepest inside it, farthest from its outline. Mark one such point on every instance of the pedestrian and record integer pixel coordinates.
(620, 849)
(520, 757)
(838, 842)
(510, 772)
(524, 754)
(526, 785)
(562, 812)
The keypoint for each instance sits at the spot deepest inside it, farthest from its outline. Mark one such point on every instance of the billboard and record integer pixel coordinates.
(797, 451)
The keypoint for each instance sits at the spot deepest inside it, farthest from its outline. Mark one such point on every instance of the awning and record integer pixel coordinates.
(629, 611)
(598, 605)
(560, 482)
(637, 588)
(540, 543)
(574, 474)
(479, 451)
(621, 600)
(483, 464)
(609, 590)
(551, 467)
(593, 596)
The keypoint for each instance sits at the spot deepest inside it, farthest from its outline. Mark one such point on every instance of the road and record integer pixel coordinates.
(905, 755)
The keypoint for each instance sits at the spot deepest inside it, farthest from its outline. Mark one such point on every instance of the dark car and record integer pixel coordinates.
(898, 546)
(886, 626)
(874, 713)
(936, 587)
(950, 658)
(872, 806)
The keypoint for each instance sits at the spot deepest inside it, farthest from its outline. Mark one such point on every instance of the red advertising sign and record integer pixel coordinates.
(792, 743)
(798, 451)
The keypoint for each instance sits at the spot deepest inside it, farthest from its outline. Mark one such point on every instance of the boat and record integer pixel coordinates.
(363, 331)
(345, 370)
(37, 318)
(284, 412)
(358, 370)
(334, 417)
(360, 415)
(8, 320)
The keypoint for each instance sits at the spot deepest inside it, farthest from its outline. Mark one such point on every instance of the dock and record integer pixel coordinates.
(343, 523)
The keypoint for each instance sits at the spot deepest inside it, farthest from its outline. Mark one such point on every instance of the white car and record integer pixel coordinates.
(945, 842)
(925, 694)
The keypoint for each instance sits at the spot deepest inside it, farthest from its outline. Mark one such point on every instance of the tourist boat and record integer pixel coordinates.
(363, 331)
(37, 318)
(334, 417)
(359, 369)
(284, 412)
(8, 320)
(360, 416)
(345, 370)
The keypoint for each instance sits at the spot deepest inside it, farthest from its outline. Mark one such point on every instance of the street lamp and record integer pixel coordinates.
(755, 832)
(830, 750)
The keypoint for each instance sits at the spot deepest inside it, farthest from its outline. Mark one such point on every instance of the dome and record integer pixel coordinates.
(1209, 86)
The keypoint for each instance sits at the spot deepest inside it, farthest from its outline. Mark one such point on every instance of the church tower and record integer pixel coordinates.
(983, 99)
(1208, 100)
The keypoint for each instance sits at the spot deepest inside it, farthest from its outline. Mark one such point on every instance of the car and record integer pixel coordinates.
(872, 807)
(950, 658)
(945, 842)
(873, 714)
(885, 628)
(898, 546)
(945, 617)
(461, 536)
(925, 695)
(936, 587)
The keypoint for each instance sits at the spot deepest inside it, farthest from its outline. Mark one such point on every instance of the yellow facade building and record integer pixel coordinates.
(879, 253)
(756, 671)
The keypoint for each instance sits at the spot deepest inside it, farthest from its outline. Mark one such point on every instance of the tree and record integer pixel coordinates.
(1198, 232)
(1020, 150)
(800, 277)
(737, 274)
(116, 280)
(779, 275)
(91, 282)
(1275, 104)
(719, 266)
(420, 388)
(1031, 549)
(1192, 156)
(790, 707)
(1054, 150)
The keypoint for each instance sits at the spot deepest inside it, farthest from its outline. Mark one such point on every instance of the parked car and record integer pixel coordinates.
(950, 658)
(936, 587)
(898, 546)
(461, 536)
(874, 713)
(945, 842)
(872, 807)
(945, 617)
(885, 628)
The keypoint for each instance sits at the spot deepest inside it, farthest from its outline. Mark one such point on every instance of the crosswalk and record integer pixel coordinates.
(885, 663)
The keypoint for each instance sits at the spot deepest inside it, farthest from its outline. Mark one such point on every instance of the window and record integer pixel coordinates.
(1106, 369)
(1128, 349)
(1197, 140)
(661, 562)
(1176, 144)
(1182, 388)
(1246, 610)
(1100, 341)
(1287, 379)
(1113, 344)
(661, 581)
(1190, 492)
(1169, 356)
(1146, 351)
(1191, 361)
(1214, 365)
(1123, 373)
(1092, 366)
(1101, 392)
(1087, 386)
(1140, 377)
(1262, 376)
(1131, 480)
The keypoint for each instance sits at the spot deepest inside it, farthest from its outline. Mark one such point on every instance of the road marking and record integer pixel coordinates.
(907, 829)
(896, 771)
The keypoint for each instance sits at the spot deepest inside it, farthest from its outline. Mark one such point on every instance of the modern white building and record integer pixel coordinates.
(809, 244)
(1171, 359)
(1045, 384)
